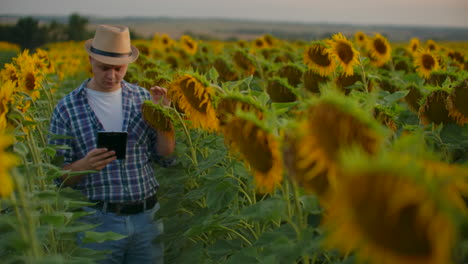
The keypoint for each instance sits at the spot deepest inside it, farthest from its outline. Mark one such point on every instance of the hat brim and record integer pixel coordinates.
(112, 60)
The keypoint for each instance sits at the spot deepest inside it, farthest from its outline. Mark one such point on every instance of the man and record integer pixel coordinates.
(124, 190)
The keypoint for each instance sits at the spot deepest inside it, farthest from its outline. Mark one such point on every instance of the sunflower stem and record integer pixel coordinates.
(189, 138)
(363, 74)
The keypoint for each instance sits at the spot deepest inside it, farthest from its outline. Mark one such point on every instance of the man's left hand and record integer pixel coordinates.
(159, 95)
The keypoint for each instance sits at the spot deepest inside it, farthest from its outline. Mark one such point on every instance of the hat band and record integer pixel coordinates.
(110, 54)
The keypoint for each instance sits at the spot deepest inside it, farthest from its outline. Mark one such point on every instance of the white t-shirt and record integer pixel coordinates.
(108, 108)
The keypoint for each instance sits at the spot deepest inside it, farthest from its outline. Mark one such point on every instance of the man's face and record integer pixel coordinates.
(107, 77)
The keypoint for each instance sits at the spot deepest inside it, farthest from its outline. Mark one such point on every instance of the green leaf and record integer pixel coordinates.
(21, 148)
(57, 219)
(265, 210)
(99, 237)
(49, 151)
(394, 97)
(281, 108)
(213, 74)
(220, 194)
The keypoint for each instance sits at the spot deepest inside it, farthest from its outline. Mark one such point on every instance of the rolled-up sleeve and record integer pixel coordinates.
(60, 134)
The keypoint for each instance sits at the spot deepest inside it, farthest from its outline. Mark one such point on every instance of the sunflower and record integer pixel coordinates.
(166, 42)
(393, 216)
(9, 73)
(244, 62)
(361, 39)
(332, 124)
(434, 109)
(425, 62)
(432, 46)
(414, 45)
(313, 80)
(318, 58)
(7, 90)
(194, 96)
(42, 61)
(229, 104)
(291, 72)
(259, 148)
(157, 117)
(345, 83)
(188, 44)
(379, 50)
(280, 91)
(413, 97)
(260, 43)
(7, 161)
(456, 56)
(437, 78)
(30, 80)
(343, 51)
(456, 102)
(385, 118)
(225, 70)
(454, 181)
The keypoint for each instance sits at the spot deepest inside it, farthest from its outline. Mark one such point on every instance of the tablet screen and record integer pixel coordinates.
(116, 141)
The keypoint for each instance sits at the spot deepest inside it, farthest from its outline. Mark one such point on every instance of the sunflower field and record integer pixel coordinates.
(350, 149)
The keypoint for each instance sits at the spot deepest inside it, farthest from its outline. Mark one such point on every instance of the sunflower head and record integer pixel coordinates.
(244, 62)
(457, 102)
(434, 108)
(318, 58)
(312, 81)
(30, 81)
(9, 73)
(188, 44)
(361, 39)
(7, 162)
(332, 124)
(385, 118)
(379, 50)
(456, 56)
(437, 78)
(343, 51)
(413, 97)
(395, 216)
(258, 147)
(7, 89)
(193, 94)
(157, 117)
(292, 73)
(260, 43)
(225, 70)
(143, 48)
(229, 104)
(432, 46)
(344, 83)
(280, 91)
(387, 84)
(426, 62)
(414, 45)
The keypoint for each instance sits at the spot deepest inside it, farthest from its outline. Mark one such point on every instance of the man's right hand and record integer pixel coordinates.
(96, 159)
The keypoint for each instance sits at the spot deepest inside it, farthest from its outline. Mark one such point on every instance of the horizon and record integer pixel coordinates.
(426, 13)
(103, 17)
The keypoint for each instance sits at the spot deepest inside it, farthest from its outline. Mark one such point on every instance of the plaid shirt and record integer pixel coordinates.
(126, 180)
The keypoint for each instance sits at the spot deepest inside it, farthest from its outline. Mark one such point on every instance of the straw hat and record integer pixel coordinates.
(111, 45)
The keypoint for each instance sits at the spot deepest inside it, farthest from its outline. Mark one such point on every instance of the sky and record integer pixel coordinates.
(441, 13)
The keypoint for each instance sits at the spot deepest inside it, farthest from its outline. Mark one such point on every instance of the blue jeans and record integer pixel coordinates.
(141, 230)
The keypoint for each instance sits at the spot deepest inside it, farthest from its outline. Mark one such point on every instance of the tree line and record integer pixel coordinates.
(30, 34)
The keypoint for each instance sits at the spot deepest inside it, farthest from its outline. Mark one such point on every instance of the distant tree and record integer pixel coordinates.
(28, 34)
(56, 32)
(77, 27)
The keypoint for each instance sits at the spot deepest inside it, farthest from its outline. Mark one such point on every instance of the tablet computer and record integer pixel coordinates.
(116, 141)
